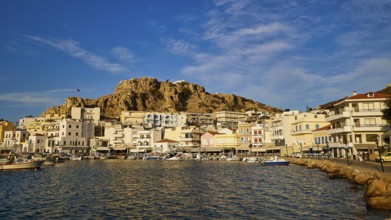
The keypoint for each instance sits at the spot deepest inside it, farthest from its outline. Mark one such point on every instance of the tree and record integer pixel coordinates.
(387, 111)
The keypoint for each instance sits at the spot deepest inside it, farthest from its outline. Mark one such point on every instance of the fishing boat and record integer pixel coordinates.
(11, 162)
(275, 161)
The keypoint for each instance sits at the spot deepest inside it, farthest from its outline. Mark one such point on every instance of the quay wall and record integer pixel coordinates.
(378, 185)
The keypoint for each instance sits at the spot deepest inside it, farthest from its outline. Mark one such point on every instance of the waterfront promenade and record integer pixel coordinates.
(366, 165)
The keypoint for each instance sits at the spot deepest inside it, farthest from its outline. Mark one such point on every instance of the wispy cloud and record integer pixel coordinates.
(39, 98)
(124, 54)
(73, 48)
(179, 47)
(287, 53)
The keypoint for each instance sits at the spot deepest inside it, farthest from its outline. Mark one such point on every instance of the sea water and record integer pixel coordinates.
(123, 189)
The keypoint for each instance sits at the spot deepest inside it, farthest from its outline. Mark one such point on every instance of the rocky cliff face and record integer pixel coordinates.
(148, 94)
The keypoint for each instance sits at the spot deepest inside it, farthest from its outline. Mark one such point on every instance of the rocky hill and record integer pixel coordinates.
(148, 94)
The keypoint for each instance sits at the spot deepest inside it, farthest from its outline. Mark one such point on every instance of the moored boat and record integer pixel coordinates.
(275, 161)
(11, 162)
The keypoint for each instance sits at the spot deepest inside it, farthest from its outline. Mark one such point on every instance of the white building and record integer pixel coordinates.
(74, 135)
(92, 114)
(167, 120)
(145, 139)
(16, 139)
(165, 146)
(281, 127)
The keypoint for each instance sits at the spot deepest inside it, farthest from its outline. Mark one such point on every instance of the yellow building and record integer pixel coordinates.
(302, 127)
(5, 126)
(321, 139)
(226, 141)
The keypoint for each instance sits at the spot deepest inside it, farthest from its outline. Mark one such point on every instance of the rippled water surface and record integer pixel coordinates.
(121, 189)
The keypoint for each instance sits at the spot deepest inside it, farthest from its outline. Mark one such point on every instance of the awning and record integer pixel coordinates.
(336, 145)
(102, 149)
(243, 147)
(365, 146)
(119, 148)
(258, 149)
(137, 150)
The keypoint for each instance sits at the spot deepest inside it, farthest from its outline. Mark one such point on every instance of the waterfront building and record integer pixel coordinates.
(36, 144)
(357, 124)
(190, 137)
(114, 132)
(302, 126)
(280, 130)
(322, 138)
(5, 126)
(144, 139)
(207, 139)
(257, 135)
(73, 136)
(228, 143)
(165, 146)
(86, 114)
(16, 139)
(244, 134)
(229, 119)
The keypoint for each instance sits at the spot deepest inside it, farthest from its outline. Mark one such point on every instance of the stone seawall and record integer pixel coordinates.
(378, 185)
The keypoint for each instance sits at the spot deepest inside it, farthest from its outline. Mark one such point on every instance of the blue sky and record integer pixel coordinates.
(287, 54)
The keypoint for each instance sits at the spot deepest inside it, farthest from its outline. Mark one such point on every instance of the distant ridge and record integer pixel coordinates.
(148, 94)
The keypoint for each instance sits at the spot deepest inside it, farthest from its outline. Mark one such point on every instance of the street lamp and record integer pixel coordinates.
(286, 148)
(378, 150)
(318, 151)
(347, 154)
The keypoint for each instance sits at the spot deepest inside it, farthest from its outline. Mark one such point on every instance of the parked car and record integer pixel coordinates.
(386, 157)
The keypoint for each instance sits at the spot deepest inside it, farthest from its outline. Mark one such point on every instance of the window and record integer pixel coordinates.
(316, 126)
(70, 126)
(371, 137)
(369, 121)
(69, 133)
(77, 126)
(307, 126)
(77, 134)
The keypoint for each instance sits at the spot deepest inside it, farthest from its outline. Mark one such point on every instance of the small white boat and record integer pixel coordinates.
(275, 161)
(250, 160)
(74, 157)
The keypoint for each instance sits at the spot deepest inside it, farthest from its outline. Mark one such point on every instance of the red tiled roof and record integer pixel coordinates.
(212, 132)
(166, 141)
(370, 95)
(327, 127)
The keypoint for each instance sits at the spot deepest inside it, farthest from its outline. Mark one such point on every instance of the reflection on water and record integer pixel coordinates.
(178, 189)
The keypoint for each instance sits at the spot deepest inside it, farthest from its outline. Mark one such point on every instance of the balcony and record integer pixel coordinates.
(344, 129)
(305, 131)
(367, 112)
(344, 114)
(369, 127)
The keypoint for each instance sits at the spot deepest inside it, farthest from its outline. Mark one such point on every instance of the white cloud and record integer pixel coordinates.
(72, 48)
(293, 54)
(124, 54)
(179, 47)
(39, 98)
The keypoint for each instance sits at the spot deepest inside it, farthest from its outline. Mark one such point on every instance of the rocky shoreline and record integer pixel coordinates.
(378, 185)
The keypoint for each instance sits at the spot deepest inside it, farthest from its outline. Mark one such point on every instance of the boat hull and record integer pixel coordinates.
(275, 163)
(22, 165)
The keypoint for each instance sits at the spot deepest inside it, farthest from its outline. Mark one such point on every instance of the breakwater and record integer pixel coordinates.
(378, 185)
